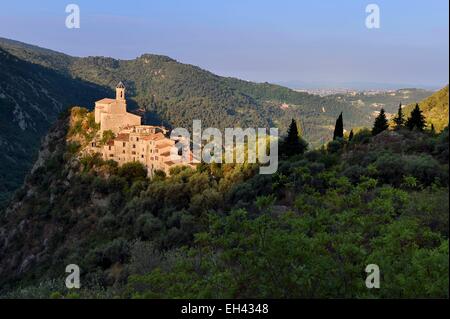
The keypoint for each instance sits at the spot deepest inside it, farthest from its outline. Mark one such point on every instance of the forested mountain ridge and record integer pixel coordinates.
(177, 93)
(320, 219)
(31, 98)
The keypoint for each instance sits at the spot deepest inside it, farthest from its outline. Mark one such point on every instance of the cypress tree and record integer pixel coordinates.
(293, 144)
(416, 120)
(433, 130)
(339, 128)
(381, 123)
(399, 120)
(350, 136)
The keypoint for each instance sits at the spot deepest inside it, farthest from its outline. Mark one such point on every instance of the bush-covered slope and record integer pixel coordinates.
(31, 98)
(435, 109)
(225, 231)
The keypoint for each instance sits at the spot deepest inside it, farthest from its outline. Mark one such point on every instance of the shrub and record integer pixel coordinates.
(133, 171)
(110, 253)
(362, 137)
(423, 167)
(148, 226)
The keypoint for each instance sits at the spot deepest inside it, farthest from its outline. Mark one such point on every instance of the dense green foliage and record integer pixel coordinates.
(225, 231)
(31, 99)
(434, 108)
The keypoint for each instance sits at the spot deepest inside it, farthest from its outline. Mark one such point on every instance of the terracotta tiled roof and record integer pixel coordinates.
(123, 137)
(163, 145)
(106, 101)
(158, 136)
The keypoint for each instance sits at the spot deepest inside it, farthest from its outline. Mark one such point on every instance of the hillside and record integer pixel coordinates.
(31, 98)
(435, 109)
(38, 84)
(224, 231)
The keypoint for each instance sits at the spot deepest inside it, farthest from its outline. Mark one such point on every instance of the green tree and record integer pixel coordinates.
(133, 171)
(350, 136)
(293, 144)
(399, 120)
(107, 136)
(339, 128)
(433, 129)
(381, 123)
(416, 120)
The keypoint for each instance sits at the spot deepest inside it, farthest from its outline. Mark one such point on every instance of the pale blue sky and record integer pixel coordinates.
(323, 41)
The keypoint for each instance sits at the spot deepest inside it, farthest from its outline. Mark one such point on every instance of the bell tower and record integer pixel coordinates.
(120, 92)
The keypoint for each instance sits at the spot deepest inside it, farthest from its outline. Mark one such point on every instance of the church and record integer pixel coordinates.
(112, 114)
(133, 142)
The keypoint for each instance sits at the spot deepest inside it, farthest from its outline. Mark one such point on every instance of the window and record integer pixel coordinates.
(142, 156)
(124, 144)
(123, 151)
(111, 155)
(109, 147)
(134, 145)
(137, 139)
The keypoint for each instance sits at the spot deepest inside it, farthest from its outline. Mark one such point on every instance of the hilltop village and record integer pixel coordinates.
(132, 141)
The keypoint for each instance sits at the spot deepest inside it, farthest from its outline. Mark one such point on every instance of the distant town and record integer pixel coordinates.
(350, 92)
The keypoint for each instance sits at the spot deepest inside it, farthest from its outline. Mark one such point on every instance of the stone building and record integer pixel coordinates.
(112, 114)
(133, 142)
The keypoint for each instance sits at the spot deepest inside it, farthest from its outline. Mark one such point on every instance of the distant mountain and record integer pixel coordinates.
(435, 109)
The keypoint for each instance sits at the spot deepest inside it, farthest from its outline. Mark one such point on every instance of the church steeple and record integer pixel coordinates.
(120, 91)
